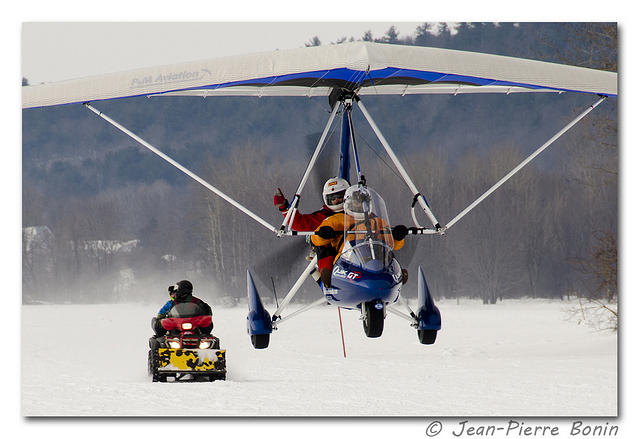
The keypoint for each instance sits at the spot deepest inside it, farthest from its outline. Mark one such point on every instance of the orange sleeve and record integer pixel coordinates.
(397, 245)
(336, 222)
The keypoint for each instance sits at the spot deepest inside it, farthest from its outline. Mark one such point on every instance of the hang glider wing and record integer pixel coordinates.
(369, 68)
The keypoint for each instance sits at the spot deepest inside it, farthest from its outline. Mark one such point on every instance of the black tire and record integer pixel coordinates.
(218, 377)
(154, 343)
(427, 336)
(150, 365)
(260, 341)
(373, 321)
(153, 368)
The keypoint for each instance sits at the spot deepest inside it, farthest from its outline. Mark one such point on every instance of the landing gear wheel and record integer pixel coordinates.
(373, 321)
(427, 336)
(260, 341)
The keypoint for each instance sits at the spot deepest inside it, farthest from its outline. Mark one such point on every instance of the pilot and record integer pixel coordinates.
(328, 240)
(182, 292)
(333, 197)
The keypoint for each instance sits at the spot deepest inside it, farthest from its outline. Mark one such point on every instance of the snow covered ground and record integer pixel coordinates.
(514, 359)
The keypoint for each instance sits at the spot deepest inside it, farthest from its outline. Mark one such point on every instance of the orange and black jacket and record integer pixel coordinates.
(337, 223)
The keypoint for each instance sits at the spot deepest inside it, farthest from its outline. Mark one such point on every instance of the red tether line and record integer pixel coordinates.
(344, 350)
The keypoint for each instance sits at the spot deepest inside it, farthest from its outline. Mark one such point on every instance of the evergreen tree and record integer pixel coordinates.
(315, 41)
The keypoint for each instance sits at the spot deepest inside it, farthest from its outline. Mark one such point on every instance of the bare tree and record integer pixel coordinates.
(489, 243)
(594, 153)
(597, 301)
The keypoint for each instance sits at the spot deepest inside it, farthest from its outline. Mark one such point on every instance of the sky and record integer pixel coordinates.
(58, 43)
(67, 50)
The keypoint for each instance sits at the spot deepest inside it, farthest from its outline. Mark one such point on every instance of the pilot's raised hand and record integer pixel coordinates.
(280, 201)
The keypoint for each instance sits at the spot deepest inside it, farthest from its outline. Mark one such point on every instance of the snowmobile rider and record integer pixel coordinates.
(328, 240)
(182, 292)
(332, 196)
(167, 306)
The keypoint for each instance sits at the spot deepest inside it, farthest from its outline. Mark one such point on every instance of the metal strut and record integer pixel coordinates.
(294, 289)
(182, 168)
(414, 190)
(288, 219)
(356, 159)
(524, 162)
(410, 316)
(410, 319)
(321, 301)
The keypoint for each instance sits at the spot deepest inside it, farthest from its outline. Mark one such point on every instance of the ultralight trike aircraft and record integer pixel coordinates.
(366, 276)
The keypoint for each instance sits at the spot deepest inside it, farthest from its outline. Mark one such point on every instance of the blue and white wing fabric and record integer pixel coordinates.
(363, 67)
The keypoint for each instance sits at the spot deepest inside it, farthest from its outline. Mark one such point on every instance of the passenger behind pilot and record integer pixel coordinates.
(329, 237)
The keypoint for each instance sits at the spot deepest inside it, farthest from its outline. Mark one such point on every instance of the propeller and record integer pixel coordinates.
(288, 255)
(407, 252)
(285, 261)
(287, 258)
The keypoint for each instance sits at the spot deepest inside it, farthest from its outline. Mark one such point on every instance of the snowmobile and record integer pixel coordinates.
(187, 352)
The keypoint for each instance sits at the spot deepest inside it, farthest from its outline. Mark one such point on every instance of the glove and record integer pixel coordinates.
(399, 232)
(326, 232)
(280, 201)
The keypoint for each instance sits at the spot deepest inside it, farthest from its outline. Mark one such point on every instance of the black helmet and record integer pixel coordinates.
(183, 289)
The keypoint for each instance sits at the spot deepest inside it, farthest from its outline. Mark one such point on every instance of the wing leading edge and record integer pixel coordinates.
(370, 68)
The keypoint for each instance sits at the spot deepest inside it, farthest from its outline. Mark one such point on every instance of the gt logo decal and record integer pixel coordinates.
(344, 274)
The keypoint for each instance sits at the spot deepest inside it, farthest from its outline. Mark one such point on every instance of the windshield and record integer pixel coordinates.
(367, 234)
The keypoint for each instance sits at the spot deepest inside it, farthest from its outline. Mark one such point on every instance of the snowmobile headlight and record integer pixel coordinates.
(187, 325)
(205, 344)
(173, 344)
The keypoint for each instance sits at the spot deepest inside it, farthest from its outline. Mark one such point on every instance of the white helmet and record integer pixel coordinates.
(356, 200)
(333, 193)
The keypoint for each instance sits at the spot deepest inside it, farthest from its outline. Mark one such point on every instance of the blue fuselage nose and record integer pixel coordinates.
(352, 285)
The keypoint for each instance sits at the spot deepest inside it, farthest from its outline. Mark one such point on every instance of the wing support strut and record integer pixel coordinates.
(288, 219)
(525, 162)
(414, 190)
(182, 168)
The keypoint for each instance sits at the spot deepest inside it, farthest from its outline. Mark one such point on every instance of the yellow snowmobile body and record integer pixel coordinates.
(186, 363)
